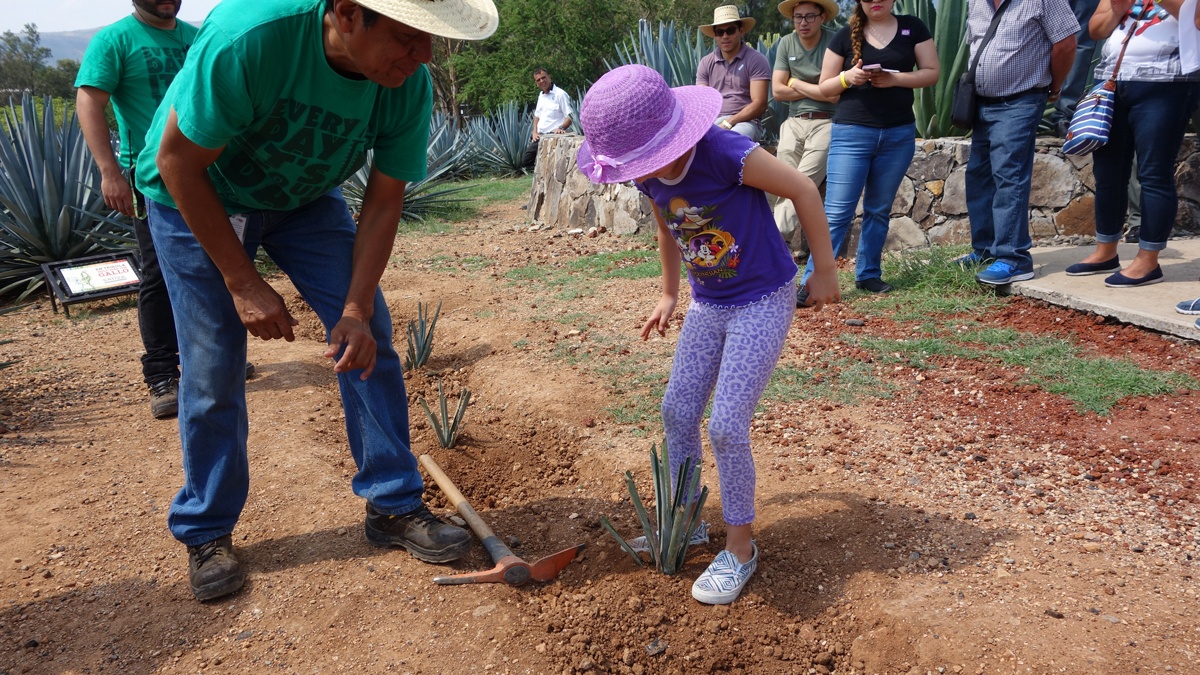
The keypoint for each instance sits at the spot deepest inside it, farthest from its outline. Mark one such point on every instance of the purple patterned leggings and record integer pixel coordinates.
(734, 351)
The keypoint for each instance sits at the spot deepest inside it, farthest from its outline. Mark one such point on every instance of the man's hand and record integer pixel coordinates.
(262, 311)
(536, 135)
(118, 196)
(352, 338)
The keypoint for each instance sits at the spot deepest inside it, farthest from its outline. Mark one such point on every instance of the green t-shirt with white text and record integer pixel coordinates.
(804, 65)
(134, 63)
(257, 84)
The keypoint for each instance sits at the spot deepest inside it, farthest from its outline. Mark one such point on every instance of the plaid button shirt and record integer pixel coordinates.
(1018, 56)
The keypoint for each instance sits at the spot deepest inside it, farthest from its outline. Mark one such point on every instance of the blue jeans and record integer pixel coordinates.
(866, 162)
(999, 177)
(1149, 119)
(1080, 74)
(313, 245)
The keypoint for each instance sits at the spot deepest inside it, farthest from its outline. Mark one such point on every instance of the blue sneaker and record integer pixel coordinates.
(1188, 307)
(1002, 272)
(972, 259)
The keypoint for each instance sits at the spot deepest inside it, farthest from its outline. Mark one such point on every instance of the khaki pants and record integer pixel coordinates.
(803, 144)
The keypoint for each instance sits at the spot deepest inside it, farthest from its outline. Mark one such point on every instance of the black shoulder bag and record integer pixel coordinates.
(962, 113)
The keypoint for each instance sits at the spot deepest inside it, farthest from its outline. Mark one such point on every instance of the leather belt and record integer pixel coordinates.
(992, 100)
(815, 115)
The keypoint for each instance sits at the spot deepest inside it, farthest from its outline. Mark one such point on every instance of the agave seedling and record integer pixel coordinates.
(420, 336)
(447, 429)
(677, 515)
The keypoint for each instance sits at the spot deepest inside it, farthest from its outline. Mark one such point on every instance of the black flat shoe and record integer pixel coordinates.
(874, 286)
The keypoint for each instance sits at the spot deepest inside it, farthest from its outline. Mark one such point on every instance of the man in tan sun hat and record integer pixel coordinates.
(737, 70)
(804, 135)
(276, 105)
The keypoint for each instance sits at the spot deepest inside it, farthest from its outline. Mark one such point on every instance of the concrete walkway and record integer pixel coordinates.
(1150, 306)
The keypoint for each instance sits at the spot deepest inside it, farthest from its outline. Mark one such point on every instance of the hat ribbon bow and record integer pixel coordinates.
(602, 162)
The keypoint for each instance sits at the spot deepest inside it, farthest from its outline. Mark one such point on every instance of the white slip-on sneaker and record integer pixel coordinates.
(724, 579)
(700, 536)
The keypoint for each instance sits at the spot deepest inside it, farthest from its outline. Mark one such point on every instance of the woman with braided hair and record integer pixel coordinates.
(873, 65)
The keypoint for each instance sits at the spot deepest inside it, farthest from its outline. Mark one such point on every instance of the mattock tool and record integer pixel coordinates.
(509, 568)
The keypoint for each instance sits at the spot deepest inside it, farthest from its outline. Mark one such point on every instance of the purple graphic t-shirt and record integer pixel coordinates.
(733, 253)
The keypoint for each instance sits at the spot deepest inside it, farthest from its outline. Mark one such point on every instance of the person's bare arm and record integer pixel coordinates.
(90, 103)
(1106, 17)
(832, 76)
(780, 89)
(383, 203)
(1062, 56)
(184, 169)
(767, 173)
(756, 107)
(668, 254)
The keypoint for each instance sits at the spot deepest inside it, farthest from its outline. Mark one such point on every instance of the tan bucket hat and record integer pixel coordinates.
(457, 19)
(728, 14)
(787, 7)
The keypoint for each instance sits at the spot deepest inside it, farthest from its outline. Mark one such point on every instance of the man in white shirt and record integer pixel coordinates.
(552, 115)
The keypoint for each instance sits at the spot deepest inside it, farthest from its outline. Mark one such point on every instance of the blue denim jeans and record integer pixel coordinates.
(866, 162)
(999, 176)
(313, 245)
(1149, 120)
(1080, 75)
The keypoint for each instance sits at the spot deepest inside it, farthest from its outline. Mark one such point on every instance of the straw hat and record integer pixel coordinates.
(728, 14)
(788, 6)
(457, 19)
(634, 124)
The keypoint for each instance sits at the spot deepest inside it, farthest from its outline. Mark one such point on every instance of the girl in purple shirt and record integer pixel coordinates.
(707, 185)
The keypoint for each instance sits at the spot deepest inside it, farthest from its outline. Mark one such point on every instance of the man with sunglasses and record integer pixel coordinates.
(804, 135)
(737, 70)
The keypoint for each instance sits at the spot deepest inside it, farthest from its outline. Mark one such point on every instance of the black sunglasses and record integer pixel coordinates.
(721, 32)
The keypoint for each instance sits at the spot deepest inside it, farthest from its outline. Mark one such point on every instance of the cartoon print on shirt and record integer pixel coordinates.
(707, 250)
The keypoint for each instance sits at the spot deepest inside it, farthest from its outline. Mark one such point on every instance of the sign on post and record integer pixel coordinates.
(92, 278)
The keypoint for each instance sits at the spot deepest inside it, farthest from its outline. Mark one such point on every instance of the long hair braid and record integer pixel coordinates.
(858, 23)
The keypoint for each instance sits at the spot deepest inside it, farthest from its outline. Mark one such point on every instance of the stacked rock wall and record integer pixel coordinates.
(930, 206)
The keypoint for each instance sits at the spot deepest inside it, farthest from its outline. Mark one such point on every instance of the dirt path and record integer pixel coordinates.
(964, 522)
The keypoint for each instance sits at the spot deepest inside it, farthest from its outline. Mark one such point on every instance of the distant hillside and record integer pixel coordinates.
(69, 44)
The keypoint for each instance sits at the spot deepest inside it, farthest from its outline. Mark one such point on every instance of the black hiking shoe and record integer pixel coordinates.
(213, 570)
(419, 531)
(164, 398)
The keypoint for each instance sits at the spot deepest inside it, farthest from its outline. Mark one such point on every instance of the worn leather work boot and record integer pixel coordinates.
(420, 532)
(164, 398)
(213, 570)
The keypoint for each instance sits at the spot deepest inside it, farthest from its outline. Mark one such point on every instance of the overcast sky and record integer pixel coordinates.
(52, 16)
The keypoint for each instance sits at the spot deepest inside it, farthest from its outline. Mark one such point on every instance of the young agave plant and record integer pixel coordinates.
(676, 518)
(420, 336)
(447, 429)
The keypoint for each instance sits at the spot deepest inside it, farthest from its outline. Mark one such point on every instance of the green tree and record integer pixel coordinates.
(569, 38)
(58, 81)
(22, 59)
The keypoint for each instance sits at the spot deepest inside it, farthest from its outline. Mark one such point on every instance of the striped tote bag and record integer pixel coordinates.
(1092, 122)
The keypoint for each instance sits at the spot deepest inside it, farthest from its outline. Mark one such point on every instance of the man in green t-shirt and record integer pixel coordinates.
(804, 135)
(131, 63)
(277, 104)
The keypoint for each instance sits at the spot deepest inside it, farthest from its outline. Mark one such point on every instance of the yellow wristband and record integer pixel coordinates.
(842, 77)
(791, 82)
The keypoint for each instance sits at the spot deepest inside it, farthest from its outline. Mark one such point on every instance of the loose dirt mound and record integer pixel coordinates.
(966, 521)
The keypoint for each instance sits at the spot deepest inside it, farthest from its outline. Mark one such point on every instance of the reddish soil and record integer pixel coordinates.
(967, 522)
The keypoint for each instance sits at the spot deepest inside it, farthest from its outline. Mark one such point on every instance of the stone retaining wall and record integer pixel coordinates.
(930, 206)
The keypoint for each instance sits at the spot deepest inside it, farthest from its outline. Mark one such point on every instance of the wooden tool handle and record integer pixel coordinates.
(456, 498)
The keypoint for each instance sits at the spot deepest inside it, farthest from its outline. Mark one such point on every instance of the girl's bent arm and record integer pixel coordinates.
(767, 173)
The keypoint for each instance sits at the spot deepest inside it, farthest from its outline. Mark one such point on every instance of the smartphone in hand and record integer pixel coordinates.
(872, 67)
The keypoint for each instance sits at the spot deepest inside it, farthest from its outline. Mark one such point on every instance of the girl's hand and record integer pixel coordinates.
(882, 80)
(856, 75)
(660, 318)
(823, 288)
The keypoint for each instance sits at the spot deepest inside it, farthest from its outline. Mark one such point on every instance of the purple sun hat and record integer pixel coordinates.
(634, 124)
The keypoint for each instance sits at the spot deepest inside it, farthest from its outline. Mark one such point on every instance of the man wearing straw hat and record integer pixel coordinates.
(737, 70)
(804, 135)
(277, 104)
